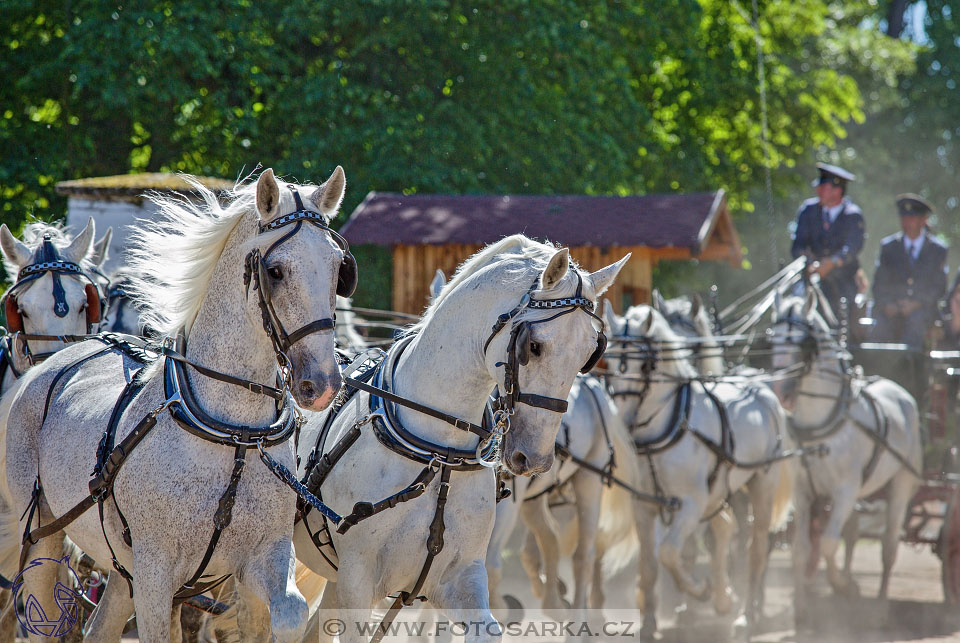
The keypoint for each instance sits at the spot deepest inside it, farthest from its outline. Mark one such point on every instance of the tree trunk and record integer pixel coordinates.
(895, 18)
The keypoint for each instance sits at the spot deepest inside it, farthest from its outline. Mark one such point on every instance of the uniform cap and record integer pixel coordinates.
(833, 175)
(913, 205)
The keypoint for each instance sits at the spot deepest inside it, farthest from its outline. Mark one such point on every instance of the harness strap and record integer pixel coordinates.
(873, 435)
(672, 503)
(882, 429)
(99, 484)
(253, 387)
(363, 510)
(221, 519)
(724, 450)
(452, 420)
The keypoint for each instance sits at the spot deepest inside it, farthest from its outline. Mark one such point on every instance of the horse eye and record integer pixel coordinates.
(535, 348)
(275, 273)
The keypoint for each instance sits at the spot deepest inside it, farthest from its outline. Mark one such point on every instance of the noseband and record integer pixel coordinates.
(255, 270)
(518, 352)
(51, 261)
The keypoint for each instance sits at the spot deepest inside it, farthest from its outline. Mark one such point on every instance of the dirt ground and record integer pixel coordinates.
(915, 612)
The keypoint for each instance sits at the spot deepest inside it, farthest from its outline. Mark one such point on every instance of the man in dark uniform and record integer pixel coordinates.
(830, 233)
(911, 277)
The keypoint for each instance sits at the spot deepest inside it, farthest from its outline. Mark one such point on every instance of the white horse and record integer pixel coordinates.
(833, 406)
(688, 317)
(52, 302)
(590, 431)
(489, 319)
(31, 309)
(192, 268)
(677, 424)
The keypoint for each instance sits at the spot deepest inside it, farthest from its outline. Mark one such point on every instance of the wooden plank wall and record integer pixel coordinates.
(414, 267)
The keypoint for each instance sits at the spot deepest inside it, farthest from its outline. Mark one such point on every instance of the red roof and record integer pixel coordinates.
(662, 220)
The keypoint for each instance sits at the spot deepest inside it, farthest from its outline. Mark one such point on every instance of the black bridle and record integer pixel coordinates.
(518, 348)
(50, 261)
(255, 270)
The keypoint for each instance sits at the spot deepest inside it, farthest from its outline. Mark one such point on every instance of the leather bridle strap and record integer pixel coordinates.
(255, 271)
(253, 387)
(452, 420)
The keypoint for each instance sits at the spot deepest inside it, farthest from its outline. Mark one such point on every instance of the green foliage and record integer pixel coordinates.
(513, 96)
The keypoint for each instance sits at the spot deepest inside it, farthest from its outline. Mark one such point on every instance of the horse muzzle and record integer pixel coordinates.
(316, 392)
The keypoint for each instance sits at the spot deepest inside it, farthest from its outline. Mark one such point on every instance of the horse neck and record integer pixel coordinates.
(443, 368)
(655, 409)
(824, 383)
(224, 338)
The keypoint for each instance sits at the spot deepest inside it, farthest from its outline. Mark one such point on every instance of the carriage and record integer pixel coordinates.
(933, 517)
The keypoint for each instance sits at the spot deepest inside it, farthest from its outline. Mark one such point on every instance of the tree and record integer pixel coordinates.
(430, 95)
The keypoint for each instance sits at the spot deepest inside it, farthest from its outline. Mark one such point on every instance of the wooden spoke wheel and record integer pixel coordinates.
(949, 550)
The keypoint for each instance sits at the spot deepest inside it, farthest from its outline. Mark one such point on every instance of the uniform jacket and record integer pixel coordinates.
(843, 238)
(897, 277)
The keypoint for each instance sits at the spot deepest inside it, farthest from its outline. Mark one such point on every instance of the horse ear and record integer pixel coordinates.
(810, 303)
(603, 278)
(14, 251)
(268, 195)
(82, 244)
(439, 281)
(609, 317)
(328, 196)
(101, 248)
(556, 269)
(657, 301)
(696, 304)
(647, 325)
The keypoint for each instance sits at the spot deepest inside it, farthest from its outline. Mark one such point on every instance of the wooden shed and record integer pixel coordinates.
(430, 232)
(118, 201)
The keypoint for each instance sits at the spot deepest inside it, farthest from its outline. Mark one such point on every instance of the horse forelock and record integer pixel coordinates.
(32, 237)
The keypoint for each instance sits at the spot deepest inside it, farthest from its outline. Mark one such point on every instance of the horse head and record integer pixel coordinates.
(554, 336)
(53, 292)
(298, 268)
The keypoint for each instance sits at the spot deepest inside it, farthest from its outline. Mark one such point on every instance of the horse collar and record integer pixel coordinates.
(391, 433)
(187, 413)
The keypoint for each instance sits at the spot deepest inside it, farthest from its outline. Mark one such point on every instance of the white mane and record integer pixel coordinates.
(172, 259)
(33, 235)
(524, 260)
(666, 341)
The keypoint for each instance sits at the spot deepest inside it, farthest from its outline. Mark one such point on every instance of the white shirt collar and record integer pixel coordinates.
(914, 246)
(834, 212)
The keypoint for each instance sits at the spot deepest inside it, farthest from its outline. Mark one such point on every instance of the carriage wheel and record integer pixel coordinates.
(950, 550)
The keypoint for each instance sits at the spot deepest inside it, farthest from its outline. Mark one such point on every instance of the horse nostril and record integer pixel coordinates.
(519, 462)
(308, 390)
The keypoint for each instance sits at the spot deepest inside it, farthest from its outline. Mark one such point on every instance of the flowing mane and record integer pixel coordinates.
(33, 235)
(524, 259)
(172, 259)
